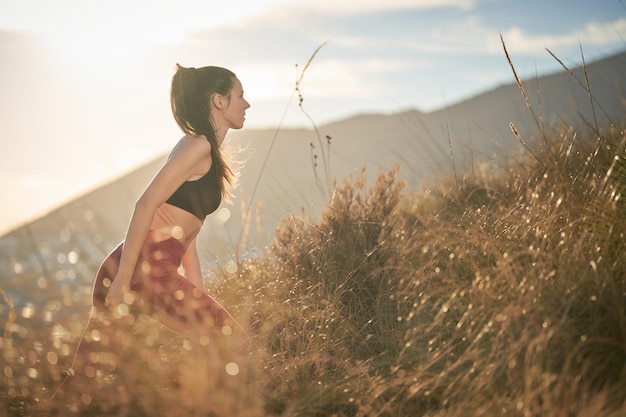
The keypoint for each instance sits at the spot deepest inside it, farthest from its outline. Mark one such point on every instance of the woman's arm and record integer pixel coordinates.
(188, 159)
(191, 264)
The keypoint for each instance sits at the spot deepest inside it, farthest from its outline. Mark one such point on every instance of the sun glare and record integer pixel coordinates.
(267, 81)
(101, 38)
(97, 50)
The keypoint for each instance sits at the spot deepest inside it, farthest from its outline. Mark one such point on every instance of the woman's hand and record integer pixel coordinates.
(119, 290)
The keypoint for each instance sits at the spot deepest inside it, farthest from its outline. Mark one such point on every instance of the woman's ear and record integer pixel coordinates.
(217, 100)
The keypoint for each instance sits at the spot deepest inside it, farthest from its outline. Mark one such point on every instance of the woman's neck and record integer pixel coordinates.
(220, 135)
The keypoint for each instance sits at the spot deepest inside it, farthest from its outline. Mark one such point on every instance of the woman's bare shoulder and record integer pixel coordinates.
(191, 156)
(198, 143)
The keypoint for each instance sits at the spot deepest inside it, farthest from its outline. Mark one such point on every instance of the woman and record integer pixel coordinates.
(142, 275)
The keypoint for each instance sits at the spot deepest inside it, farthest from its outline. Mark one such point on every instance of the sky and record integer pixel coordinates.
(84, 85)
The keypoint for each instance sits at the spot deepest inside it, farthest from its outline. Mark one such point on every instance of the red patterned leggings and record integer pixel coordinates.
(162, 292)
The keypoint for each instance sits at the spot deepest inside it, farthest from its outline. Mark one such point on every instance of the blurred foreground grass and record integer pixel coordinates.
(493, 295)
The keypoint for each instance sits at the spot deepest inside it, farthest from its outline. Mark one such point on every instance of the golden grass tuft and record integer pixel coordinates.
(506, 297)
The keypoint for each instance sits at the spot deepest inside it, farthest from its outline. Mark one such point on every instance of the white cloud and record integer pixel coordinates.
(472, 36)
(324, 78)
(370, 6)
(466, 36)
(160, 20)
(354, 78)
(592, 34)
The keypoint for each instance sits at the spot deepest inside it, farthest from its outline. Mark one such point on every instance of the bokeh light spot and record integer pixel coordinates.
(145, 267)
(61, 258)
(231, 267)
(28, 311)
(95, 335)
(177, 232)
(72, 257)
(42, 283)
(232, 369)
(122, 310)
(223, 214)
(52, 358)
(129, 298)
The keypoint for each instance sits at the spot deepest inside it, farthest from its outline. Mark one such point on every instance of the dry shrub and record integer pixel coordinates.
(505, 297)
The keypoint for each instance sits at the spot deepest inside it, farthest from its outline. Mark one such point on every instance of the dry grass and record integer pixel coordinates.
(504, 297)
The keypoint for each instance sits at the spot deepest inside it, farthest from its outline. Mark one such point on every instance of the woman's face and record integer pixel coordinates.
(234, 112)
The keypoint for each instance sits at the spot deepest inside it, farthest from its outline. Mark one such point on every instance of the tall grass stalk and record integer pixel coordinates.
(325, 187)
(299, 78)
(586, 86)
(518, 81)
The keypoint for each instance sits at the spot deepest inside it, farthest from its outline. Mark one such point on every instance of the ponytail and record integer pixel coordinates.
(190, 97)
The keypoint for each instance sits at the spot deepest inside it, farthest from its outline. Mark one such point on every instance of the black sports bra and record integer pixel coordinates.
(199, 197)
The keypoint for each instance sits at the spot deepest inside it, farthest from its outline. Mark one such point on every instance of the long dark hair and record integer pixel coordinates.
(190, 98)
